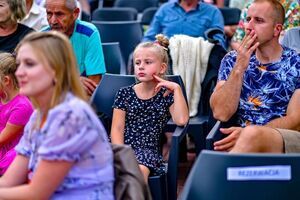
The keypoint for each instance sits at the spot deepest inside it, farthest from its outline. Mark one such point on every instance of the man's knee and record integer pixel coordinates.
(251, 134)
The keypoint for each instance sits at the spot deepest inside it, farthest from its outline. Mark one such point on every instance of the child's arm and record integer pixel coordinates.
(117, 126)
(179, 109)
(10, 133)
(16, 174)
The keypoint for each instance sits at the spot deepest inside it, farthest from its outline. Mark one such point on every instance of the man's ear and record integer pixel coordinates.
(277, 29)
(76, 12)
(163, 68)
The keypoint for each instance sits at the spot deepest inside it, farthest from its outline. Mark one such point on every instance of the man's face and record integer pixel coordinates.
(61, 18)
(260, 19)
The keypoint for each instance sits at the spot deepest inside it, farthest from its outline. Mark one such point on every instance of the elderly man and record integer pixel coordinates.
(188, 17)
(261, 79)
(62, 16)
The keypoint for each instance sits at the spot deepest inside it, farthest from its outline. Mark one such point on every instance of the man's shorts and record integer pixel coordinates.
(291, 140)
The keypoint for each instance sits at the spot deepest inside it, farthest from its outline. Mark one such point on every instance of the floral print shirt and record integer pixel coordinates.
(267, 88)
(72, 132)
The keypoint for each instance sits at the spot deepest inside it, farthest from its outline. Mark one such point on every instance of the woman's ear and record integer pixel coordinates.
(163, 68)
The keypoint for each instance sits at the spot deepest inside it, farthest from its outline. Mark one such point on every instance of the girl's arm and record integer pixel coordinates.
(10, 132)
(47, 177)
(117, 126)
(179, 110)
(16, 174)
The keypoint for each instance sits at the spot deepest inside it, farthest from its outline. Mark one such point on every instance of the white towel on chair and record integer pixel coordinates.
(190, 58)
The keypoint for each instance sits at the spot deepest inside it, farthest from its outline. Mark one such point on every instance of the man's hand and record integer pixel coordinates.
(227, 143)
(88, 84)
(246, 48)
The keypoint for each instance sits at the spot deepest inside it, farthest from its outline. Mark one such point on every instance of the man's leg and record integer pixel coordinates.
(259, 139)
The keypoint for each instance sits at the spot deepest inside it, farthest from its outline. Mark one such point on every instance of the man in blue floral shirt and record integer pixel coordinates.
(259, 81)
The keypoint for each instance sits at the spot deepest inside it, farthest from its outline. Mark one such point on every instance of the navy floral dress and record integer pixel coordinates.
(144, 123)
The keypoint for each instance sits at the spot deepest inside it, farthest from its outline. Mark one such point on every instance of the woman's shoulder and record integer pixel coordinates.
(71, 104)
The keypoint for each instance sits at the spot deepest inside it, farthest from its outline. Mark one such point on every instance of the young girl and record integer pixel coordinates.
(15, 111)
(143, 109)
(64, 152)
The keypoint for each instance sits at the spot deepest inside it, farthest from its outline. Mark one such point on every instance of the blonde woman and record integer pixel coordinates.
(11, 32)
(64, 153)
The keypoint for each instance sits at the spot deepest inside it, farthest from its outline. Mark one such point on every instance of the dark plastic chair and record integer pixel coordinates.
(231, 15)
(199, 125)
(139, 5)
(218, 175)
(113, 58)
(85, 17)
(148, 15)
(114, 14)
(127, 33)
(162, 187)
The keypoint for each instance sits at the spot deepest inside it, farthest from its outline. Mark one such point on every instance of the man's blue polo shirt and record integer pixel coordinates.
(87, 46)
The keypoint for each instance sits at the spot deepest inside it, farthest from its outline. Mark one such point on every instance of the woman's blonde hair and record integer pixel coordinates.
(160, 46)
(8, 67)
(18, 9)
(55, 50)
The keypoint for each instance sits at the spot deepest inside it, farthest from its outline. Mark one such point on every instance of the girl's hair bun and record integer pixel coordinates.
(162, 40)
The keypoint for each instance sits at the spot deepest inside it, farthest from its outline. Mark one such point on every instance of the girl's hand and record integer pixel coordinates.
(169, 85)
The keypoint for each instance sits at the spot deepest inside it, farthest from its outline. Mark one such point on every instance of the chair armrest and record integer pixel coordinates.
(172, 173)
(213, 135)
(211, 32)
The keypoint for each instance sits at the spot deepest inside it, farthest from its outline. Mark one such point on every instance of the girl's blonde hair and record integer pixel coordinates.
(8, 67)
(18, 9)
(55, 50)
(160, 46)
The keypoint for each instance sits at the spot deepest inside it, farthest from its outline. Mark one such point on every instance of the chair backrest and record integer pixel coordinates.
(231, 15)
(148, 15)
(139, 5)
(217, 175)
(114, 14)
(104, 95)
(114, 61)
(128, 33)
